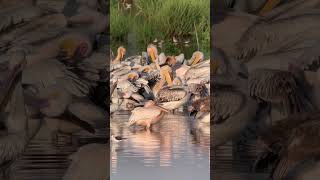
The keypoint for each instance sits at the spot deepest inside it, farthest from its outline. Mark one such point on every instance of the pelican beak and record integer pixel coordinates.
(7, 87)
(122, 52)
(146, 70)
(153, 56)
(269, 6)
(162, 109)
(197, 58)
(132, 76)
(167, 76)
(215, 66)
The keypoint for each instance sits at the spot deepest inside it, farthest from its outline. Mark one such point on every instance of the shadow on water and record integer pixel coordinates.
(172, 150)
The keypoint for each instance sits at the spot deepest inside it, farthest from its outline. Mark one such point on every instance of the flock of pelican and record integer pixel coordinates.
(265, 81)
(151, 85)
(51, 65)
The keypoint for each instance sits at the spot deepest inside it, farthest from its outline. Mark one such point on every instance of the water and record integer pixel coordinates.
(45, 160)
(236, 164)
(173, 150)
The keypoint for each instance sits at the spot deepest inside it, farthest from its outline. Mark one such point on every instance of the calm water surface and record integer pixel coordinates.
(174, 150)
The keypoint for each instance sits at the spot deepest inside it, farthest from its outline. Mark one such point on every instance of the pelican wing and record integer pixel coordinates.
(200, 71)
(168, 94)
(226, 103)
(35, 32)
(296, 138)
(11, 16)
(266, 37)
(278, 87)
(143, 113)
(292, 8)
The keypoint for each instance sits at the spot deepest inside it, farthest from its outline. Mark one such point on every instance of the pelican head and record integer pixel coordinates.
(74, 48)
(145, 69)
(132, 76)
(196, 57)
(171, 60)
(152, 52)
(121, 52)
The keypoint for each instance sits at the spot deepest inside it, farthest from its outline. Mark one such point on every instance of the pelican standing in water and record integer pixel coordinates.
(171, 96)
(147, 116)
(201, 108)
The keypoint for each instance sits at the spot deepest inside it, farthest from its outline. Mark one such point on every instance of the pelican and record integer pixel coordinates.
(120, 55)
(201, 108)
(147, 116)
(17, 134)
(58, 113)
(227, 42)
(153, 53)
(261, 7)
(180, 66)
(199, 73)
(294, 145)
(62, 41)
(254, 42)
(233, 109)
(171, 96)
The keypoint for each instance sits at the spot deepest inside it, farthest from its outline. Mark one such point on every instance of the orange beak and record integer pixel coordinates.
(122, 52)
(197, 58)
(162, 109)
(214, 66)
(269, 6)
(167, 76)
(152, 54)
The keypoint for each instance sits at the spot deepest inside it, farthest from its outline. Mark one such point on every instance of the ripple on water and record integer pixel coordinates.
(168, 151)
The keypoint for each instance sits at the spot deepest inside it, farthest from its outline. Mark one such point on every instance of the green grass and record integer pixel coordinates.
(161, 19)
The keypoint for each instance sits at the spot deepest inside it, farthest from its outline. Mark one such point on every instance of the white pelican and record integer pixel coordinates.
(147, 116)
(233, 109)
(171, 96)
(16, 133)
(202, 109)
(120, 55)
(199, 73)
